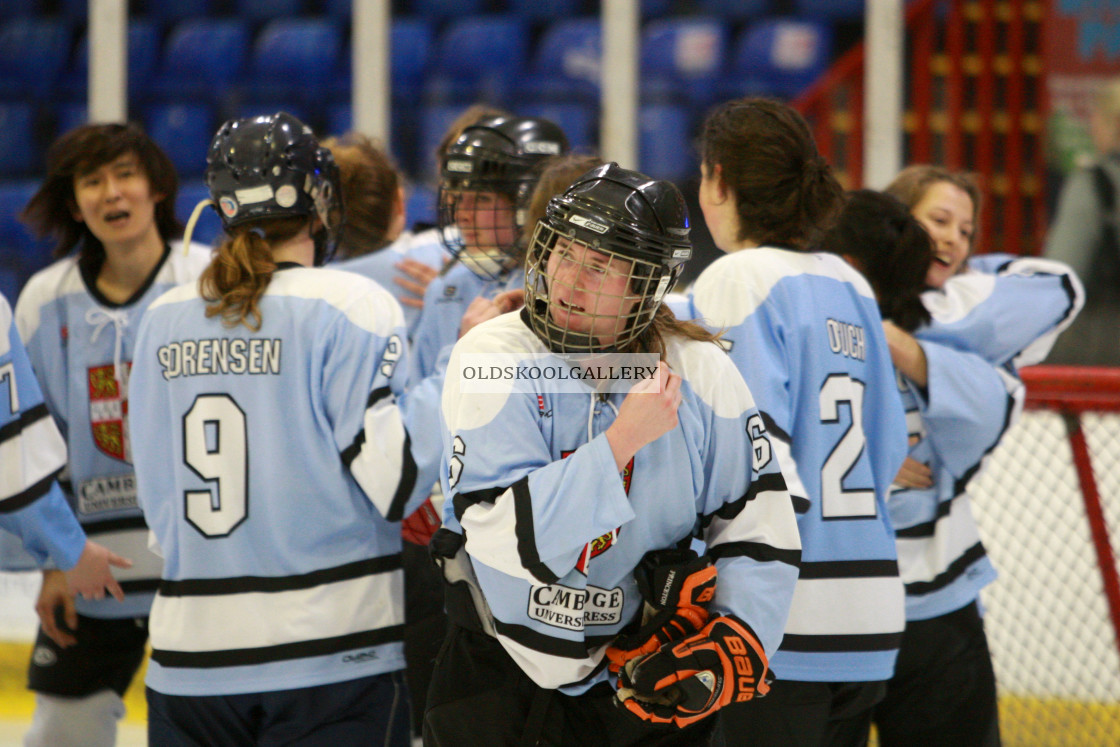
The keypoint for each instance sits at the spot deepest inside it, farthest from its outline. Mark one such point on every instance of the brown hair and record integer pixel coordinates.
(784, 189)
(50, 211)
(912, 183)
(888, 245)
(242, 267)
(665, 325)
(473, 114)
(370, 190)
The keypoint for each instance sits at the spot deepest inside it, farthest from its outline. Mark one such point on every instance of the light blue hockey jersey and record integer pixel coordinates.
(1009, 310)
(1003, 312)
(806, 334)
(423, 247)
(271, 468)
(554, 531)
(81, 347)
(32, 454)
(445, 302)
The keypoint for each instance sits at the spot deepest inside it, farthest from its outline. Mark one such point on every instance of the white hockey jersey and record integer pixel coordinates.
(806, 334)
(1003, 312)
(554, 531)
(271, 466)
(81, 347)
(32, 454)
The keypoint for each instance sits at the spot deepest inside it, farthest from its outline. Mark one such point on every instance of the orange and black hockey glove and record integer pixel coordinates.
(690, 680)
(676, 585)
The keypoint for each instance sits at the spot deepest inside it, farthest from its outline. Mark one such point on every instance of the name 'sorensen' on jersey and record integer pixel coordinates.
(219, 356)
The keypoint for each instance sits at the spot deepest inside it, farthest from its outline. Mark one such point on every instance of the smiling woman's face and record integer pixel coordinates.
(946, 211)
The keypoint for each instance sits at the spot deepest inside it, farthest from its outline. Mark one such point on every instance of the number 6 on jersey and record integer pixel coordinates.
(215, 447)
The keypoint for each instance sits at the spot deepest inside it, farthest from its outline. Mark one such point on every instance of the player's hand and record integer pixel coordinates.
(676, 585)
(914, 474)
(91, 577)
(481, 309)
(54, 595)
(688, 681)
(648, 412)
(414, 278)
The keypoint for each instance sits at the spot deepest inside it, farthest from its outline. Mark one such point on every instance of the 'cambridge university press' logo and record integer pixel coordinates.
(108, 411)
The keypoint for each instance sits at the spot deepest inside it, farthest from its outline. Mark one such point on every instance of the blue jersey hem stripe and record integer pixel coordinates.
(114, 525)
(841, 643)
(849, 569)
(249, 584)
(280, 652)
(728, 511)
(26, 418)
(549, 645)
(950, 574)
(25, 498)
(756, 550)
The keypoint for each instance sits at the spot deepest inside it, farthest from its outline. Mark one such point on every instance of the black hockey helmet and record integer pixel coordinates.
(620, 214)
(273, 166)
(499, 155)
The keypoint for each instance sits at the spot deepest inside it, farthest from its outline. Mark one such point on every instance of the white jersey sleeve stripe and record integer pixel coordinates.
(30, 448)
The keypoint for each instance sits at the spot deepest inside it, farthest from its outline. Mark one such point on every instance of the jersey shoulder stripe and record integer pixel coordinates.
(733, 287)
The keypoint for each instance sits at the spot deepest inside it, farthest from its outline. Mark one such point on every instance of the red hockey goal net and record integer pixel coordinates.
(1048, 504)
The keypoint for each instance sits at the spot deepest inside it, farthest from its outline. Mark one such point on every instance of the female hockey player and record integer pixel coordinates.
(805, 332)
(32, 507)
(570, 506)
(110, 193)
(272, 462)
(989, 316)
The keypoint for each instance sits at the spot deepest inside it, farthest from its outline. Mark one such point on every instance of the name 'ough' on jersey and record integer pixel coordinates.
(271, 467)
(81, 347)
(806, 334)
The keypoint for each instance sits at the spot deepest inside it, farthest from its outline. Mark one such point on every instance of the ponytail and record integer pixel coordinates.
(242, 268)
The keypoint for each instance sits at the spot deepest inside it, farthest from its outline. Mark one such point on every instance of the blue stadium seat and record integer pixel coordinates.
(446, 10)
(340, 10)
(479, 57)
(295, 58)
(167, 13)
(567, 61)
(578, 121)
(11, 281)
(434, 122)
(13, 8)
(184, 131)
(420, 206)
(685, 57)
(665, 137)
(68, 115)
(535, 10)
(19, 153)
(779, 57)
(402, 122)
(33, 52)
(143, 55)
(655, 8)
(209, 225)
(202, 58)
(734, 11)
(411, 44)
(830, 11)
(16, 242)
(265, 10)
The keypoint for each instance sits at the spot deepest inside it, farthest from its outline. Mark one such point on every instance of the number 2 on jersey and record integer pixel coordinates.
(836, 501)
(215, 447)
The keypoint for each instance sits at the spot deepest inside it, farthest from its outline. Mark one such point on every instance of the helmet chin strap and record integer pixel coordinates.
(562, 340)
(484, 265)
